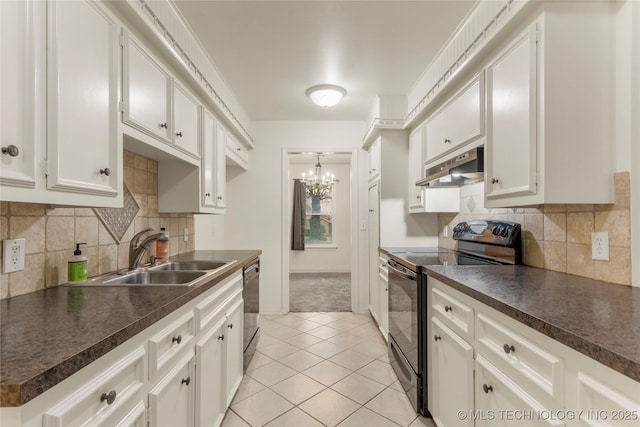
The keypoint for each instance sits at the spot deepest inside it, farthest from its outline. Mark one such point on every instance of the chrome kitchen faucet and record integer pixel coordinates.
(136, 251)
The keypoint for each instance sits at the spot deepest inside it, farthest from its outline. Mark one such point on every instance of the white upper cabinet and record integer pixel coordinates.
(186, 111)
(416, 156)
(213, 163)
(511, 120)
(457, 123)
(146, 91)
(237, 154)
(374, 159)
(84, 147)
(19, 93)
(550, 110)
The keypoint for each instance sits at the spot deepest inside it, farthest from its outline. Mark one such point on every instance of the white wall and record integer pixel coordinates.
(209, 232)
(255, 198)
(334, 259)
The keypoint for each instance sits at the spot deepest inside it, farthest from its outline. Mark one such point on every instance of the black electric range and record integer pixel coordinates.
(479, 243)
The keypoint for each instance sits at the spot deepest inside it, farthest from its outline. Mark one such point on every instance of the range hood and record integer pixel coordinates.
(462, 169)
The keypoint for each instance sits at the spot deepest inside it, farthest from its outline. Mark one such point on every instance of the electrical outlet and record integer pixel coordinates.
(13, 259)
(600, 246)
(185, 234)
(445, 231)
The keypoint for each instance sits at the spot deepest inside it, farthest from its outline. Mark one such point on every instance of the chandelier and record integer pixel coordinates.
(319, 185)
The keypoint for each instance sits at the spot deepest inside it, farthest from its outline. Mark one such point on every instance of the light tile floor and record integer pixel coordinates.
(321, 369)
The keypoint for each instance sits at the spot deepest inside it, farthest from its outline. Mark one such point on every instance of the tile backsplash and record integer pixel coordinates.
(50, 233)
(558, 237)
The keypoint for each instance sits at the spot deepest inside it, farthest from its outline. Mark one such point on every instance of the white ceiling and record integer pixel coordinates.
(271, 52)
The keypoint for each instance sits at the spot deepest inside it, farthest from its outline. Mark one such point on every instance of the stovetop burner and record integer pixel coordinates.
(479, 243)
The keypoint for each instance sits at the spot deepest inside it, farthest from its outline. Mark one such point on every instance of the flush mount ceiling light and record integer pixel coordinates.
(326, 95)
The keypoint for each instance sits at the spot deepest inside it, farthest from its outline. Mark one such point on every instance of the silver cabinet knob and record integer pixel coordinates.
(495, 180)
(179, 134)
(207, 194)
(11, 150)
(163, 125)
(508, 348)
(105, 171)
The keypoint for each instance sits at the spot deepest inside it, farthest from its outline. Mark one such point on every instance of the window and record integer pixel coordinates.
(318, 228)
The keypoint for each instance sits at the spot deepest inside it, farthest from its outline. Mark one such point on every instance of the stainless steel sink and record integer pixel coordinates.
(155, 278)
(189, 265)
(173, 273)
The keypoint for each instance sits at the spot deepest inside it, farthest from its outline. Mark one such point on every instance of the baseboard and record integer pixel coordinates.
(322, 270)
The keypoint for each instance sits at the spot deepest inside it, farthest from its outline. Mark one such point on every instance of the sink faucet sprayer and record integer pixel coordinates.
(136, 251)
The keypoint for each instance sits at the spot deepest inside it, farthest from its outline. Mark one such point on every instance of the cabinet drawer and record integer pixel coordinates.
(457, 123)
(453, 313)
(536, 369)
(236, 152)
(211, 309)
(167, 345)
(112, 392)
(598, 402)
(501, 400)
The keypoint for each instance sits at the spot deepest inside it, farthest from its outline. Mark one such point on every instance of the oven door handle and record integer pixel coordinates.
(401, 273)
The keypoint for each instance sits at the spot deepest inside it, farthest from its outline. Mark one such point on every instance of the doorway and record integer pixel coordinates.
(320, 277)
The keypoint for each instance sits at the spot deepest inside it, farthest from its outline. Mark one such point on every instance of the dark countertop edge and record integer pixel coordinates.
(593, 350)
(73, 364)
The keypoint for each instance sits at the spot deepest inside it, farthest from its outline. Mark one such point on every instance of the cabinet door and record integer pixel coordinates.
(84, 147)
(459, 122)
(208, 159)
(374, 242)
(171, 401)
(146, 90)
(452, 361)
(499, 399)
(20, 92)
(383, 288)
(221, 166)
(236, 153)
(416, 158)
(511, 121)
(374, 159)
(234, 336)
(210, 385)
(185, 119)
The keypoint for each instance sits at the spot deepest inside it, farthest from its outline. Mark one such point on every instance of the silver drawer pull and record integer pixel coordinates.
(105, 171)
(177, 339)
(230, 326)
(437, 338)
(186, 381)
(448, 308)
(11, 150)
(487, 388)
(508, 348)
(110, 397)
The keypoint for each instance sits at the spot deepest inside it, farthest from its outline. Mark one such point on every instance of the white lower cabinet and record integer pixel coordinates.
(172, 400)
(383, 289)
(501, 402)
(496, 371)
(105, 400)
(234, 359)
(182, 371)
(452, 361)
(210, 374)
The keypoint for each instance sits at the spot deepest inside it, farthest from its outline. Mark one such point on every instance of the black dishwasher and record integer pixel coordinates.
(251, 295)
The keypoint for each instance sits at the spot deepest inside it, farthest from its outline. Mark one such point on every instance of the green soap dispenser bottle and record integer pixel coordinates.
(77, 266)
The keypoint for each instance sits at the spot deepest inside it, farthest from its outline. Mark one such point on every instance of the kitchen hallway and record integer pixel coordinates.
(321, 369)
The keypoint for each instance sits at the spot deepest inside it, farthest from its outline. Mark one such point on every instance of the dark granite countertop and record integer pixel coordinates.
(47, 336)
(598, 319)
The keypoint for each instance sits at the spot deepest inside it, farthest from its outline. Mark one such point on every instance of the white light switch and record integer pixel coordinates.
(185, 235)
(13, 259)
(363, 225)
(600, 246)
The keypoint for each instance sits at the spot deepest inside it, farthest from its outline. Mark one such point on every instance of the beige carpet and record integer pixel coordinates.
(318, 292)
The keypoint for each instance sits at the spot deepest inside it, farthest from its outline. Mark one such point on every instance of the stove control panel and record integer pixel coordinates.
(501, 233)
